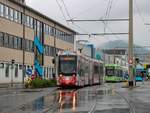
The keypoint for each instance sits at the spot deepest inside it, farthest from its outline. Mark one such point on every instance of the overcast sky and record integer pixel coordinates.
(96, 9)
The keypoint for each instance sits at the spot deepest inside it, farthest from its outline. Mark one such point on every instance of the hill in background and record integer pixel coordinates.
(122, 44)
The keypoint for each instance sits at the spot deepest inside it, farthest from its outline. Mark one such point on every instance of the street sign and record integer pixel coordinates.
(98, 56)
(130, 61)
(29, 71)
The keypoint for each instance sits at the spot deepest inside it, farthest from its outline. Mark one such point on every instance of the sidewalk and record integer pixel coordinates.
(8, 85)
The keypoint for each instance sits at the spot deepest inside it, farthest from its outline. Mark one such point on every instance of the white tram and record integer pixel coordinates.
(74, 69)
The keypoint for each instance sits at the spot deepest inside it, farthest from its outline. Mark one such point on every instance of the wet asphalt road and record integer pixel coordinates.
(100, 99)
(108, 98)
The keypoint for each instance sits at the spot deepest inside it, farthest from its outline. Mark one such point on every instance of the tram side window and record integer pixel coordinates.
(7, 70)
(96, 69)
(109, 71)
(16, 70)
(101, 69)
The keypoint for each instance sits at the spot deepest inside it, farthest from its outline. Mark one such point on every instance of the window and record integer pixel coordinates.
(19, 43)
(1, 39)
(15, 43)
(16, 70)
(46, 50)
(19, 17)
(49, 30)
(11, 15)
(31, 46)
(7, 70)
(1, 10)
(49, 51)
(52, 31)
(31, 22)
(6, 40)
(27, 21)
(35, 26)
(6, 12)
(27, 45)
(11, 42)
(15, 16)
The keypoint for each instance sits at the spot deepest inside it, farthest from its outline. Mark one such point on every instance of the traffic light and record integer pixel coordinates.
(137, 60)
(53, 60)
(12, 61)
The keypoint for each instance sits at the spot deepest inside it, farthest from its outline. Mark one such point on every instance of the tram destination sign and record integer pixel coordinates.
(66, 58)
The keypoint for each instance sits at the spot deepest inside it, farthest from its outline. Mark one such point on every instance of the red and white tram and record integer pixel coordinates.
(74, 69)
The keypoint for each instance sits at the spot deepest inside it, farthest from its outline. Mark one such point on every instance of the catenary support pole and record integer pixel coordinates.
(130, 47)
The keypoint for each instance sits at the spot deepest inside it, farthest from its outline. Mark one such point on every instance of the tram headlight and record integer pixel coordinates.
(74, 75)
(60, 75)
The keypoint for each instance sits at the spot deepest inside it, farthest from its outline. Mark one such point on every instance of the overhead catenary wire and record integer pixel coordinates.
(140, 14)
(85, 11)
(68, 14)
(139, 11)
(109, 7)
(63, 14)
(107, 14)
(66, 9)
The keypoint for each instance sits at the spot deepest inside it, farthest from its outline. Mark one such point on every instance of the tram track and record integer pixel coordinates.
(92, 110)
(130, 103)
(57, 105)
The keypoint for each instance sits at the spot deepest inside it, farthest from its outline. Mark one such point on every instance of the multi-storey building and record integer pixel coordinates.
(115, 56)
(30, 39)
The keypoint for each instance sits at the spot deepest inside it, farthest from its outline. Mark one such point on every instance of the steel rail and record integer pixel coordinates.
(55, 105)
(131, 104)
(92, 110)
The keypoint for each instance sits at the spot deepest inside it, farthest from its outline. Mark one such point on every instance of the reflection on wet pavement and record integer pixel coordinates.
(76, 101)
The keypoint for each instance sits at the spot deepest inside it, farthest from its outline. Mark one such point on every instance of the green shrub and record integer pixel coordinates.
(41, 83)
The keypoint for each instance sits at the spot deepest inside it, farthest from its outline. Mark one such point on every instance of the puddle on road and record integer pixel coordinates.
(62, 100)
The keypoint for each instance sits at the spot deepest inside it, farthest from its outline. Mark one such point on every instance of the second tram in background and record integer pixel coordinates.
(74, 69)
(115, 73)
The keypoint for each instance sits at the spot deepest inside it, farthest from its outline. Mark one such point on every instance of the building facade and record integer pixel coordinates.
(86, 49)
(29, 39)
(115, 56)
